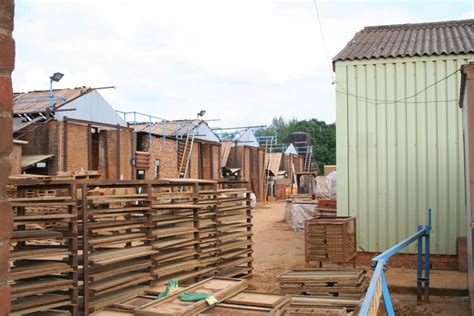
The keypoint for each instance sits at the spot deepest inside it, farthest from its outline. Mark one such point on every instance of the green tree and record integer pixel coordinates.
(323, 136)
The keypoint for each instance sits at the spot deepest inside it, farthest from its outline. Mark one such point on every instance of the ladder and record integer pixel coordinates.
(308, 158)
(268, 149)
(186, 154)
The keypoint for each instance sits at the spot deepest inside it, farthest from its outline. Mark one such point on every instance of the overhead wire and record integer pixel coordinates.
(373, 100)
(401, 100)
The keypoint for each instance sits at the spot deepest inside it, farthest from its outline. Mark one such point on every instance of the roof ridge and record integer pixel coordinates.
(419, 25)
(57, 89)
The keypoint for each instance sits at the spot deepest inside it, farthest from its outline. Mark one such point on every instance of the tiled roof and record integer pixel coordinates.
(38, 101)
(408, 40)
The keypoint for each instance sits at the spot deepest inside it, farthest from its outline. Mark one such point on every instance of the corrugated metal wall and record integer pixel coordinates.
(397, 159)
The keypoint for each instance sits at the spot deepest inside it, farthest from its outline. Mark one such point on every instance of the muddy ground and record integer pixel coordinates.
(279, 249)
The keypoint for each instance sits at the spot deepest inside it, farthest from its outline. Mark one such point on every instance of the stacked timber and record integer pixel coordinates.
(234, 224)
(175, 215)
(43, 258)
(337, 283)
(115, 242)
(330, 239)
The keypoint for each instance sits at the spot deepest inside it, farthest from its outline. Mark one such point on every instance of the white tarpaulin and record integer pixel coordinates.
(326, 186)
(296, 214)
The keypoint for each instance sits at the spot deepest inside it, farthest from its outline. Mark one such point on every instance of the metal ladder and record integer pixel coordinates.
(185, 159)
(308, 158)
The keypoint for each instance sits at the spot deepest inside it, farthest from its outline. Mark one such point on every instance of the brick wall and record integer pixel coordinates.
(15, 159)
(216, 153)
(193, 171)
(37, 137)
(165, 152)
(125, 153)
(77, 148)
(56, 146)
(7, 62)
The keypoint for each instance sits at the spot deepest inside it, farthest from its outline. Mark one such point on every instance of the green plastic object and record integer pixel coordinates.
(193, 297)
(171, 287)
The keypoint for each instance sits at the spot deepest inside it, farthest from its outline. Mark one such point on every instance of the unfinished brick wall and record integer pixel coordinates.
(15, 159)
(7, 63)
(126, 154)
(165, 151)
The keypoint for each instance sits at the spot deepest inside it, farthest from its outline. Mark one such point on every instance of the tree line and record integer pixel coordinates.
(323, 136)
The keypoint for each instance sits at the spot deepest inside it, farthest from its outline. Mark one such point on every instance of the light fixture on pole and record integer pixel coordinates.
(201, 113)
(55, 77)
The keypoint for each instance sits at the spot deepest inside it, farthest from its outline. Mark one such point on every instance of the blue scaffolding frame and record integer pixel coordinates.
(378, 288)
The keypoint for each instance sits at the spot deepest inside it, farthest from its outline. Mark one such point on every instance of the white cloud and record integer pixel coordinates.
(243, 61)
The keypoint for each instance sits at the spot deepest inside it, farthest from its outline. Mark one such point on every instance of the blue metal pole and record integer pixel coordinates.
(427, 258)
(51, 96)
(419, 265)
(386, 296)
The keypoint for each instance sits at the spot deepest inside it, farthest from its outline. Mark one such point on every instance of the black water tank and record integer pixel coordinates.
(299, 139)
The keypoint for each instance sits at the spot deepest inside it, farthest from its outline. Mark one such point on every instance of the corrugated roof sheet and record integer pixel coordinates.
(38, 101)
(403, 40)
(168, 128)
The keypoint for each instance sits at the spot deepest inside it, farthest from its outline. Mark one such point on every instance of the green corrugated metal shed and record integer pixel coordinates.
(399, 156)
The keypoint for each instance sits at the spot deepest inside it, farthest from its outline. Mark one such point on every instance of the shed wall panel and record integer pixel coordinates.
(399, 156)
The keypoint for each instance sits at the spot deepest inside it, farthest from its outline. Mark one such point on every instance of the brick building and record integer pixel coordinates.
(172, 148)
(82, 132)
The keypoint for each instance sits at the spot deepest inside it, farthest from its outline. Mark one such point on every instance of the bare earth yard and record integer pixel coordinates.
(279, 249)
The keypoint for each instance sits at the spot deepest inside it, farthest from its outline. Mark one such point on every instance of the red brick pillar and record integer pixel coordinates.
(7, 61)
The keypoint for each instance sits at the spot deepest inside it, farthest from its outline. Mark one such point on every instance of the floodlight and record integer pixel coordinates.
(56, 76)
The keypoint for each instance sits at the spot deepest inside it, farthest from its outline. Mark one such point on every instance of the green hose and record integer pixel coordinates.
(171, 287)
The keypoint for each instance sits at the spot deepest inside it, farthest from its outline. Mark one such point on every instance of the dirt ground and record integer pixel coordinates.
(279, 249)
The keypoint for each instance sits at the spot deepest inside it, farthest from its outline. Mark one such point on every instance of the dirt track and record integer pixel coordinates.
(279, 249)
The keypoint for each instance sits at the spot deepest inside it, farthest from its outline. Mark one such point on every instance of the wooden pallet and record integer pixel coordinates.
(335, 283)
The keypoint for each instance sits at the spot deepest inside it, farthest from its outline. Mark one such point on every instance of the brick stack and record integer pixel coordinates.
(7, 63)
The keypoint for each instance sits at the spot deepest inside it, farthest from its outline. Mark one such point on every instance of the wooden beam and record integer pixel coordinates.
(211, 160)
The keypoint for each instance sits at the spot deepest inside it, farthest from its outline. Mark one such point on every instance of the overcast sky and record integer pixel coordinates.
(244, 62)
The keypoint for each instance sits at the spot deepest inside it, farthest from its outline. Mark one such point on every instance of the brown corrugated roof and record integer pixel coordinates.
(409, 40)
(38, 101)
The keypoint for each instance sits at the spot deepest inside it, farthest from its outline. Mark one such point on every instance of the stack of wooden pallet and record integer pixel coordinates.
(335, 283)
(115, 242)
(234, 222)
(330, 239)
(176, 218)
(43, 274)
